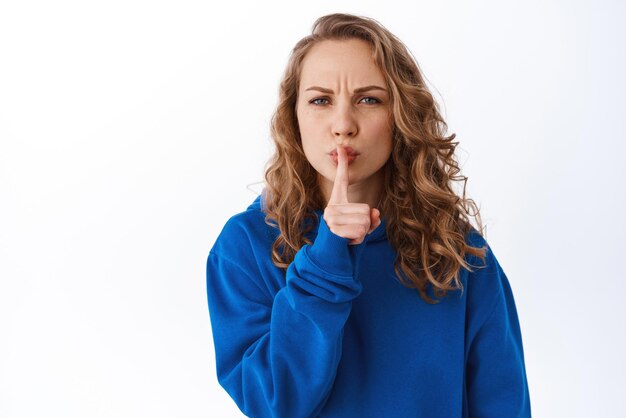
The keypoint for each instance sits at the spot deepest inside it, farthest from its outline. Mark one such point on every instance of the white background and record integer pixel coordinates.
(130, 130)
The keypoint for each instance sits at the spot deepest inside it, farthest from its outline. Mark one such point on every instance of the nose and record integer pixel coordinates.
(344, 124)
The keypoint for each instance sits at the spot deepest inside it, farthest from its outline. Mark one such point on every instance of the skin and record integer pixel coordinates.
(339, 117)
(348, 220)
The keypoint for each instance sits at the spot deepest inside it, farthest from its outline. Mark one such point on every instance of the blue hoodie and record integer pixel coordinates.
(337, 335)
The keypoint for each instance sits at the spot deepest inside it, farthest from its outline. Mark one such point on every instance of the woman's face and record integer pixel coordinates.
(343, 99)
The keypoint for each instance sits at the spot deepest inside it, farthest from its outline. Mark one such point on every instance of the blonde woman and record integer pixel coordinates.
(355, 285)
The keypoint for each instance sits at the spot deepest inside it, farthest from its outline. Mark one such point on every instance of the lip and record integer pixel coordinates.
(335, 158)
(351, 152)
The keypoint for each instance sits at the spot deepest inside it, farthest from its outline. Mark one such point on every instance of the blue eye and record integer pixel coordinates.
(315, 100)
(373, 98)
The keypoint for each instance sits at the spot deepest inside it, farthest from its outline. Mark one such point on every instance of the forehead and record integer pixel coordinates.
(332, 61)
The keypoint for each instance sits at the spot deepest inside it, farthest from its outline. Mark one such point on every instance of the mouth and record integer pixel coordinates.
(350, 157)
(351, 152)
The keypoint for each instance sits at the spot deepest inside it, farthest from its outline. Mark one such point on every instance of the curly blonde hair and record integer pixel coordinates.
(427, 223)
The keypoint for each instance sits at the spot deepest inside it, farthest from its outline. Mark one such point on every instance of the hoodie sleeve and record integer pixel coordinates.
(277, 355)
(495, 371)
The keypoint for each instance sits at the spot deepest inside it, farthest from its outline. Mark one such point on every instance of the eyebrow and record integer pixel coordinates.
(356, 91)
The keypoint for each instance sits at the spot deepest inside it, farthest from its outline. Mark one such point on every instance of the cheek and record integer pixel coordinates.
(303, 123)
(311, 150)
(306, 147)
(385, 148)
(383, 132)
(310, 135)
(307, 124)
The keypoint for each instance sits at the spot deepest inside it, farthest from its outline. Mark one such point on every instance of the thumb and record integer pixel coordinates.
(374, 220)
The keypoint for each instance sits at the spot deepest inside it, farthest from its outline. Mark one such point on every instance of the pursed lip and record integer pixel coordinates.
(351, 152)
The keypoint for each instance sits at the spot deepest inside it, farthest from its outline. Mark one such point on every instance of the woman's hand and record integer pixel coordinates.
(348, 220)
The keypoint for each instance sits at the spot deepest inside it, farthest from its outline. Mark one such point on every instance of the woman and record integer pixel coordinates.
(355, 285)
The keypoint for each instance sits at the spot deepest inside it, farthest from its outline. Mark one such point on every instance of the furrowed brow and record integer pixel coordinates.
(356, 91)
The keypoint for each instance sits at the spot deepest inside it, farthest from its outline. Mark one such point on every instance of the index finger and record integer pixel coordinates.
(339, 193)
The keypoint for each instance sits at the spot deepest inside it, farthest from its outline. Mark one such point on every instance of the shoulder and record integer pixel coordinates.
(479, 264)
(239, 263)
(245, 232)
(487, 283)
(475, 239)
